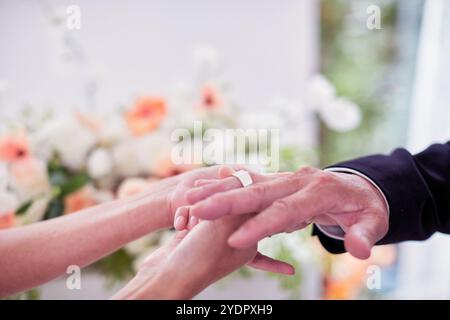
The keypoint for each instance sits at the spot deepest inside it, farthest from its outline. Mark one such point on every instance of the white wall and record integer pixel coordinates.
(142, 47)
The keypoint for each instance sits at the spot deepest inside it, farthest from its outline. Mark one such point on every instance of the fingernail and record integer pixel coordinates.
(180, 223)
(235, 238)
(192, 222)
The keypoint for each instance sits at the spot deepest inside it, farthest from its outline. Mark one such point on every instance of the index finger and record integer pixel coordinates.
(206, 188)
(250, 199)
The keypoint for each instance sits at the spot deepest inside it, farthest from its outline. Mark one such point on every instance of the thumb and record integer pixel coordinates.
(362, 236)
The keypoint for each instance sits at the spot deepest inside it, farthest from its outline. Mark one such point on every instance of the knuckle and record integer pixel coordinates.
(296, 180)
(324, 178)
(283, 205)
(307, 170)
(259, 190)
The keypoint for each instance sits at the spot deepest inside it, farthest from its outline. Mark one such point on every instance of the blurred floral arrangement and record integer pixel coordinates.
(68, 162)
(52, 164)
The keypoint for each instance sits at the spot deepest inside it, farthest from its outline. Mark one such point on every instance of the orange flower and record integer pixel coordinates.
(163, 167)
(14, 147)
(346, 288)
(210, 98)
(79, 200)
(7, 220)
(146, 114)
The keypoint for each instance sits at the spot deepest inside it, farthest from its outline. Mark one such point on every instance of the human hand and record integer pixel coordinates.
(183, 220)
(191, 262)
(292, 202)
(172, 190)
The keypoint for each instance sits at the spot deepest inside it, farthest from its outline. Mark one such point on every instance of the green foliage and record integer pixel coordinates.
(32, 294)
(55, 209)
(357, 61)
(117, 267)
(64, 182)
(291, 158)
(291, 284)
(24, 207)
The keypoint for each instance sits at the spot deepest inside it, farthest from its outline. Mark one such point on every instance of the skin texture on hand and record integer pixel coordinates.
(293, 201)
(190, 263)
(37, 253)
(183, 220)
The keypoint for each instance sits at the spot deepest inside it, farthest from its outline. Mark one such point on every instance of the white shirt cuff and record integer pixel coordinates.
(336, 232)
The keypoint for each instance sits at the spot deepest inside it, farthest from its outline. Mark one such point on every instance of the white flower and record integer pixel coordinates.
(68, 137)
(29, 178)
(8, 202)
(4, 177)
(154, 153)
(260, 120)
(142, 244)
(36, 211)
(125, 157)
(341, 115)
(166, 237)
(102, 196)
(113, 131)
(99, 163)
(319, 92)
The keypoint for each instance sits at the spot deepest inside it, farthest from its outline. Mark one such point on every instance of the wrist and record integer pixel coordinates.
(164, 283)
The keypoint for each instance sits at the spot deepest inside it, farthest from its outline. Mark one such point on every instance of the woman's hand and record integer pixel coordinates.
(191, 262)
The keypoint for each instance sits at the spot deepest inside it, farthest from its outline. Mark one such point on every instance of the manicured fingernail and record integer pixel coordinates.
(235, 239)
(180, 223)
(193, 222)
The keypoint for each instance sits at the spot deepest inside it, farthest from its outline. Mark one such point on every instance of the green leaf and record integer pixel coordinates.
(58, 177)
(55, 209)
(118, 266)
(24, 207)
(74, 183)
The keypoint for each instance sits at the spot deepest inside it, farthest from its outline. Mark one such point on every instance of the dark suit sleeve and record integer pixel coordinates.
(417, 188)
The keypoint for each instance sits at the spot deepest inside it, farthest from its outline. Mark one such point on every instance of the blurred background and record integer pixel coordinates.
(337, 82)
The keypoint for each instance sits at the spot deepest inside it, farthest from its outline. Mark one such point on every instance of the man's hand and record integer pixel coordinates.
(292, 202)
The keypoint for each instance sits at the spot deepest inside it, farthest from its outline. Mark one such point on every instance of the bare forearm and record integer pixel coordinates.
(37, 253)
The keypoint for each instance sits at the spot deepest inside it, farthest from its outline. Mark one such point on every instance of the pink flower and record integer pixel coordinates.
(14, 147)
(146, 114)
(8, 205)
(7, 220)
(210, 98)
(79, 200)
